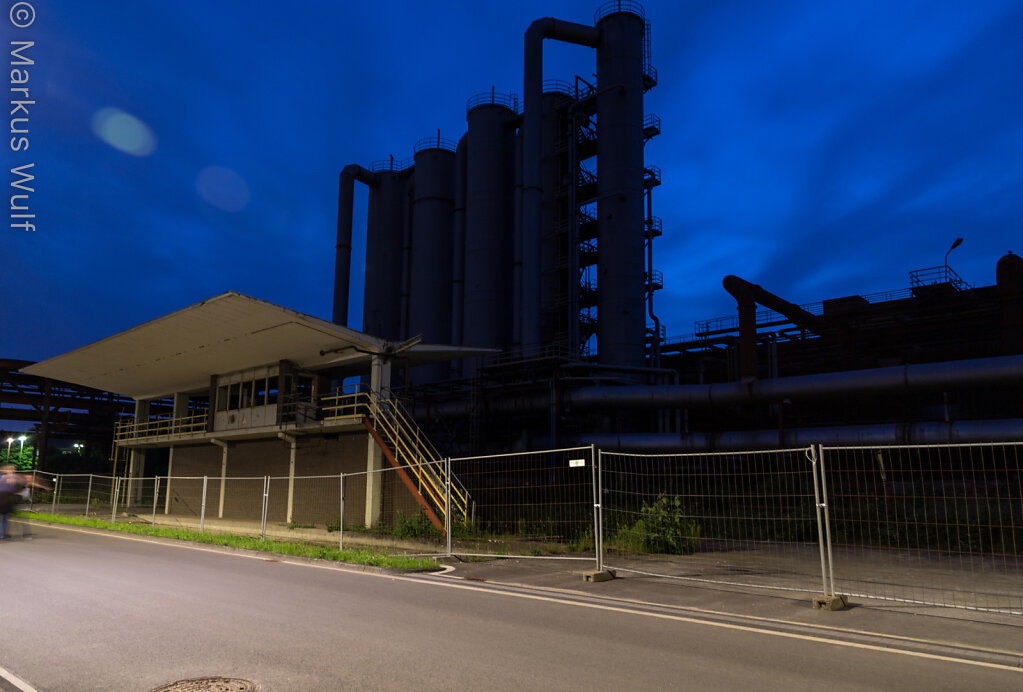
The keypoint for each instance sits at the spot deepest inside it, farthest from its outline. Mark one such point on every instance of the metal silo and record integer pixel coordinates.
(458, 246)
(429, 306)
(489, 214)
(621, 273)
(385, 225)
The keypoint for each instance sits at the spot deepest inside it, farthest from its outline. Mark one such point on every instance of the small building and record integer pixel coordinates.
(238, 389)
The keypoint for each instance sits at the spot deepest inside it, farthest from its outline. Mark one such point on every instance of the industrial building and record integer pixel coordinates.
(509, 305)
(534, 234)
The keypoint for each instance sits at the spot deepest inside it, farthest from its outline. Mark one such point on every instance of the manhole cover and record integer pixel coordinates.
(210, 685)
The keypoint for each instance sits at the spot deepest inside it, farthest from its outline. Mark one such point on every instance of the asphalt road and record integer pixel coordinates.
(86, 611)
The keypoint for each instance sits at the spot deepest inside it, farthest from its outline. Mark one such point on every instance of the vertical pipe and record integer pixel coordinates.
(56, 494)
(343, 249)
(266, 502)
(532, 189)
(202, 510)
(88, 496)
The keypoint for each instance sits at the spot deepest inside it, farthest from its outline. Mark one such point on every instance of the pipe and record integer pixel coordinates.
(1008, 430)
(747, 296)
(900, 378)
(532, 191)
(897, 379)
(343, 249)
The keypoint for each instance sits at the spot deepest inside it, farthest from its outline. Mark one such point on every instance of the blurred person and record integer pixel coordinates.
(13, 489)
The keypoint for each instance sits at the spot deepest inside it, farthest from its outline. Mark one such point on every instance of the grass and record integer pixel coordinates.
(357, 557)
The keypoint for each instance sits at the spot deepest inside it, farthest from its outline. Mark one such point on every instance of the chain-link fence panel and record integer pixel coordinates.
(741, 518)
(929, 525)
(530, 504)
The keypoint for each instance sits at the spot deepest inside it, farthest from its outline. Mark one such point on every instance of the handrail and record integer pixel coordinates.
(492, 97)
(411, 447)
(185, 425)
(435, 142)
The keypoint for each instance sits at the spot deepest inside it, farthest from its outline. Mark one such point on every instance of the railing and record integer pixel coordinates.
(619, 6)
(392, 164)
(495, 98)
(651, 125)
(652, 176)
(937, 275)
(436, 142)
(187, 425)
(410, 446)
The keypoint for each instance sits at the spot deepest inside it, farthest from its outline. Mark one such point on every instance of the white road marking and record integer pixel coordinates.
(562, 601)
(16, 681)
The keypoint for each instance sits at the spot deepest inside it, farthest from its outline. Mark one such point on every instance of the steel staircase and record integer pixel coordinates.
(406, 448)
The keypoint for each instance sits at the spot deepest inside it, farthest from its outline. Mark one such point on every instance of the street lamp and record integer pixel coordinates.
(21, 451)
(10, 440)
(78, 447)
(957, 243)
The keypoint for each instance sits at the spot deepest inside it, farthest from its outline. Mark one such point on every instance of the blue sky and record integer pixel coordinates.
(183, 149)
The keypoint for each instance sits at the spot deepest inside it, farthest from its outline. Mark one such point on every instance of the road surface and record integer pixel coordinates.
(92, 611)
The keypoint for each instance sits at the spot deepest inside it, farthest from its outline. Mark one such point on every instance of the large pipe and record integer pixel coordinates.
(1008, 430)
(343, 249)
(902, 378)
(532, 191)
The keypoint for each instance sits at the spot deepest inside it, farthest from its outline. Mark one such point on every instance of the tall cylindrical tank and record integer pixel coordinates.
(489, 229)
(431, 248)
(558, 284)
(621, 268)
(458, 251)
(385, 224)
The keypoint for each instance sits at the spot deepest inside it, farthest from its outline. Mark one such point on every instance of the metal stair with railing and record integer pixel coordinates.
(406, 448)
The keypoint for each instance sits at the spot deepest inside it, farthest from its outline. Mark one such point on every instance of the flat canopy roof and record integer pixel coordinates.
(227, 333)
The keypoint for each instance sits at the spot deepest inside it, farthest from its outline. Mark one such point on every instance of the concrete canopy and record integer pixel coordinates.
(227, 333)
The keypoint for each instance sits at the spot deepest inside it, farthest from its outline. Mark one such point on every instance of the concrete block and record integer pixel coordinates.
(836, 602)
(605, 575)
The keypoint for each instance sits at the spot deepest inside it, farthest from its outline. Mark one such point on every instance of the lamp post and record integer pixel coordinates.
(957, 243)
(21, 450)
(10, 440)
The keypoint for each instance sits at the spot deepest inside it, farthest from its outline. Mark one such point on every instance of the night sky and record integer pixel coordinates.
(184, 148)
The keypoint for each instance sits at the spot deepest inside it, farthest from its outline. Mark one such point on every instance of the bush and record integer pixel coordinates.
(663, 527)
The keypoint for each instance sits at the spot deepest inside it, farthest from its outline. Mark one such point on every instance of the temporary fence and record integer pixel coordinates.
(927, 525)
(530, 504)
(930, 525)
(738, 518)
